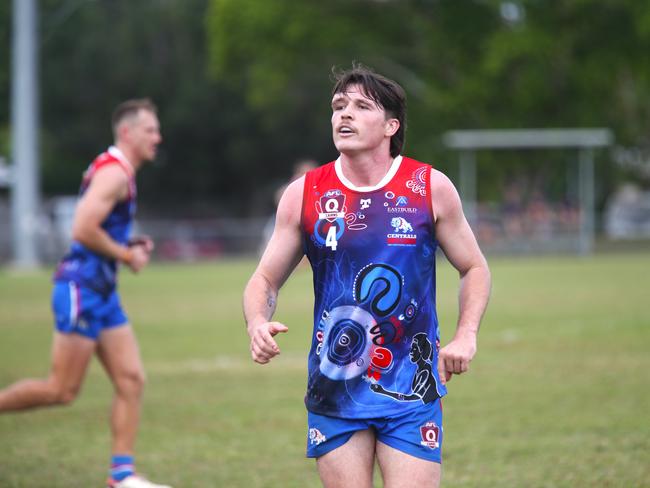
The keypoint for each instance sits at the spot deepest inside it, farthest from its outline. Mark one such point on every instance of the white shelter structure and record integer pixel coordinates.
(585, 141)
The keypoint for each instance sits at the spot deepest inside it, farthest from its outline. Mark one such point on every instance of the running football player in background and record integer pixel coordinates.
(89, 318)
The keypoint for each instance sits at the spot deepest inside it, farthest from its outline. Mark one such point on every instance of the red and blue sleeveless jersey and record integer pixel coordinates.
(84, 266)
(375, 341)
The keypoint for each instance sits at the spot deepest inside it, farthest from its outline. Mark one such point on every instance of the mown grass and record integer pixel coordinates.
(558, 395)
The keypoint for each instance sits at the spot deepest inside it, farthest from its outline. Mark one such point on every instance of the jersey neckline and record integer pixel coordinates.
(392, 171)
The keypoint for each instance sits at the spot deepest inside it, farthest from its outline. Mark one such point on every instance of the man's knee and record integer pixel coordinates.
(131, 382)
(62, 394)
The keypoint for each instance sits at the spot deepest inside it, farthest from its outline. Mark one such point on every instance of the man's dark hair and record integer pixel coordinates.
(130, 108)
(383, 91)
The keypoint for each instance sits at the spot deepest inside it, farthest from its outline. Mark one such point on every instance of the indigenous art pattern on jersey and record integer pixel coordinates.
(375, 341)
(83, 266)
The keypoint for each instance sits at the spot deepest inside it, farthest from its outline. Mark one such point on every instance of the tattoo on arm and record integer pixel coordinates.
(270, 303)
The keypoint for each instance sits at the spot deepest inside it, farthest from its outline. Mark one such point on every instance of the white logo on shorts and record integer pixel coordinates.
(316, 437)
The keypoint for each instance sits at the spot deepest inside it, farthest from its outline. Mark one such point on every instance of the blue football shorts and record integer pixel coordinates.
(83, 311)
(417, 432)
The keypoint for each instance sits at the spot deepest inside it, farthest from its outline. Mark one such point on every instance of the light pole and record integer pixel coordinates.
(24, 135)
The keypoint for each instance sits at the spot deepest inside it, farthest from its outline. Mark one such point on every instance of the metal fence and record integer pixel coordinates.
(175, 239)
(539, 227)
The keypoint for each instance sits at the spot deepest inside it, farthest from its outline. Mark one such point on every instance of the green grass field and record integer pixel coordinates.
(558, 395)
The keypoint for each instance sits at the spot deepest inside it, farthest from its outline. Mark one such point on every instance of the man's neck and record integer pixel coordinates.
(129, 155)
(366, 170)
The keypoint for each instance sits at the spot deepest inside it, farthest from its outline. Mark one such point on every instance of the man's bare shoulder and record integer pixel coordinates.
(440, 182)
(290, 206)
(444, 196)
(111, 171)
(295, 188)
(109, 180)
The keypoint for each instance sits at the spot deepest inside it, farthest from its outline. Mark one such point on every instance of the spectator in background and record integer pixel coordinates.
(539, 216)
(301, 167)
(512, 210)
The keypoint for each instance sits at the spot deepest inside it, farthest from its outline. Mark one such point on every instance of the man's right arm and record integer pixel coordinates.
(282, 254)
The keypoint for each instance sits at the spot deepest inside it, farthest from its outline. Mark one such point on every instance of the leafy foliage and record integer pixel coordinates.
(243, 86)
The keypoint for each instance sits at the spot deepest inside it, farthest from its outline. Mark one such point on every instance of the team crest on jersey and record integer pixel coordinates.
(430, 433)
(418, 182)
(400, 224)
(331, 205)
(402, 233)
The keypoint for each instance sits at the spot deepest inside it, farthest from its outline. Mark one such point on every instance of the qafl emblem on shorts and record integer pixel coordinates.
(430, 432)
(316, 436)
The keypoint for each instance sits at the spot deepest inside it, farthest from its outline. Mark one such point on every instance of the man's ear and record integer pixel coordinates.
(392, 126)
(122, 131)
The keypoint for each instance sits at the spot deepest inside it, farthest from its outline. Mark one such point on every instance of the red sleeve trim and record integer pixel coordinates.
(106, 159)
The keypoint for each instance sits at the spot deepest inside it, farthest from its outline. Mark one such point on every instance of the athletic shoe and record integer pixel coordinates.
(134, 481)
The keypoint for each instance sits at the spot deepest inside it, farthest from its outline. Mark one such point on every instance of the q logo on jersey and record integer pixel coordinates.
(331, 214)
(331, 206)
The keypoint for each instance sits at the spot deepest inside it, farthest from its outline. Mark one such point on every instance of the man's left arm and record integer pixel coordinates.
(459, 244)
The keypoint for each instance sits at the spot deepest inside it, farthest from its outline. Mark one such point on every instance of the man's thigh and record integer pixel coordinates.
(119, 353)
(71, 354)
(351, 464)
(401, 470)
(409, 447)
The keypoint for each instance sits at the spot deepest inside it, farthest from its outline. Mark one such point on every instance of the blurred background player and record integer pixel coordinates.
(370, 223)
(301, 167)
(88, 315)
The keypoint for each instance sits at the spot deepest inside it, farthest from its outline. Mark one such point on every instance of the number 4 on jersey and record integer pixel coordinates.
(330, 240)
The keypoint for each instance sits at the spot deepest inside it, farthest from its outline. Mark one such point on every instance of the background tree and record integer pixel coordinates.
(243, 86)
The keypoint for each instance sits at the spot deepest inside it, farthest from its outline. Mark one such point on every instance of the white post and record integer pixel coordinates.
(467, 186)
(586, 186)
(24, 134)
